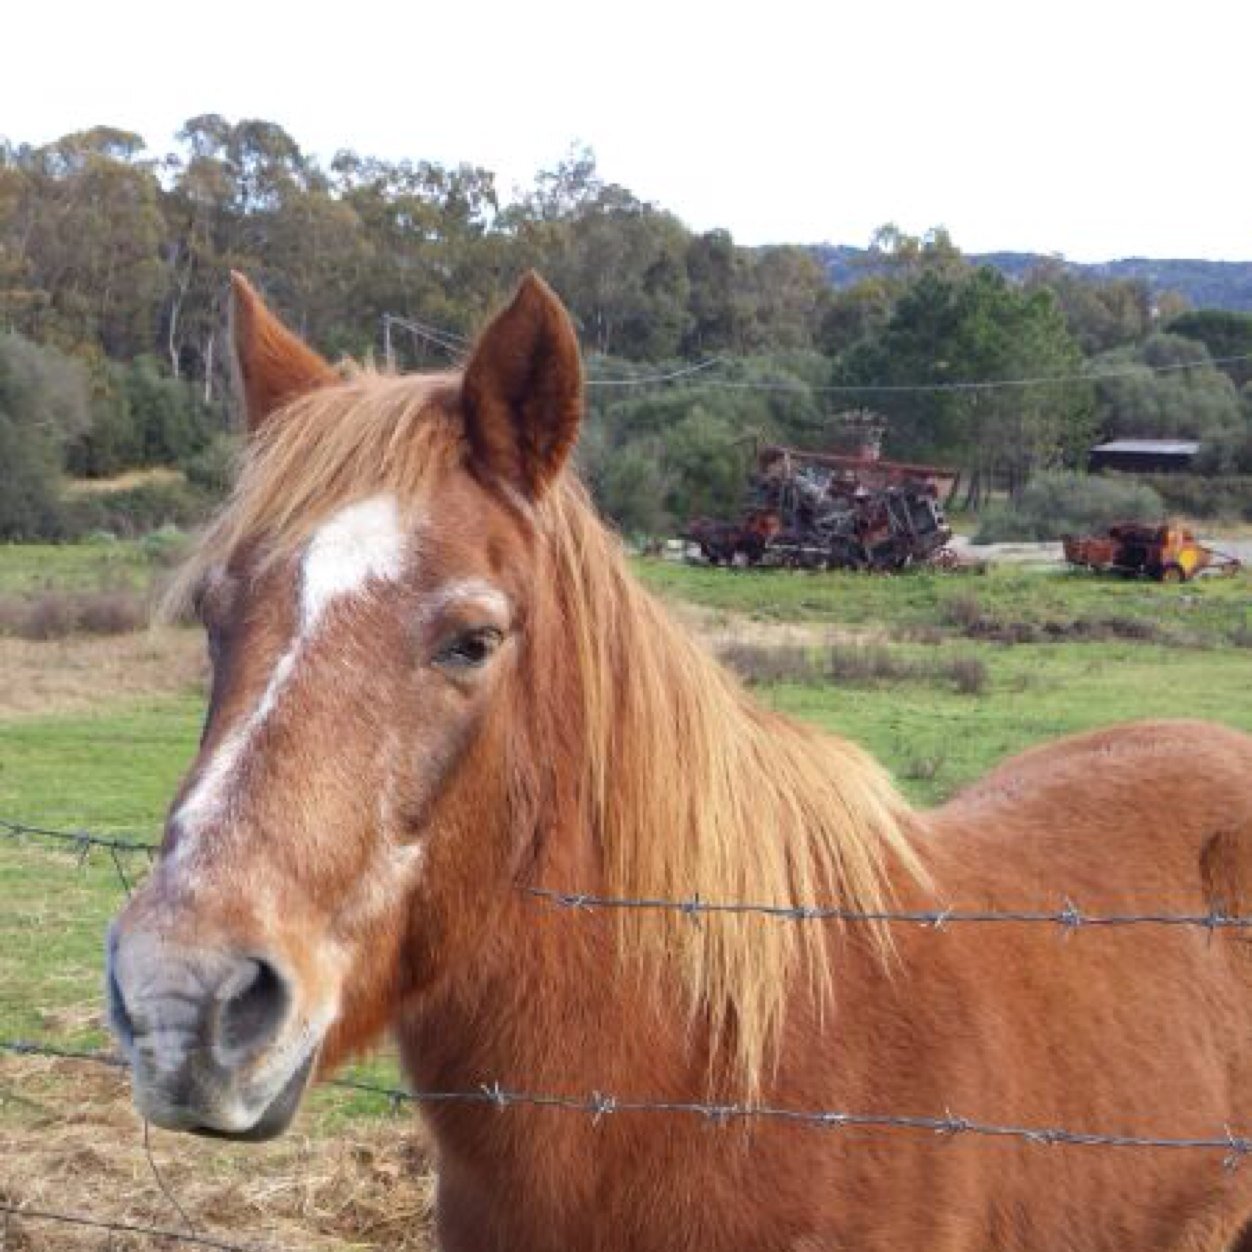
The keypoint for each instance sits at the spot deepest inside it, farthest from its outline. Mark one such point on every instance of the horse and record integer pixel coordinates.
(442, 710)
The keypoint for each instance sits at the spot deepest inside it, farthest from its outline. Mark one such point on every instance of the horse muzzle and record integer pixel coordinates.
(214, 1041)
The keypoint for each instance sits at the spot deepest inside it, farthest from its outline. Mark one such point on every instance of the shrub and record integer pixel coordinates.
(964, 611)
(863, 665)
(138, 510)
(213, 468)
(759, 663)
(968, 675)
(56, 614)
(1056, 504)
(1226, 496)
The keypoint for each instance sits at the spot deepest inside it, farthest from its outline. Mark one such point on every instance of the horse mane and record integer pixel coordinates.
(690, 788)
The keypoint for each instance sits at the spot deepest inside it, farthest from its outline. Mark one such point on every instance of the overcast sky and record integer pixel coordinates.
(1096, 129)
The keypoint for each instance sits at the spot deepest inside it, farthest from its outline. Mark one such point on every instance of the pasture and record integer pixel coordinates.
(1048, 652)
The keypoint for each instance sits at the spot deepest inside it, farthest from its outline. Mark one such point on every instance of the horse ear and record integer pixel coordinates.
(272, 365)
(523, 390)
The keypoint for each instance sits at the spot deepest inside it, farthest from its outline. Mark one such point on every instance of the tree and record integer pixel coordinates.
(1101, 315)
(974, 327)
(1225, 334)
(43, 402)
(1165, 387)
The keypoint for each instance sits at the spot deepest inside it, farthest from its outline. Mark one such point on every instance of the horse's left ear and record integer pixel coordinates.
(523, 390)
(272, 364)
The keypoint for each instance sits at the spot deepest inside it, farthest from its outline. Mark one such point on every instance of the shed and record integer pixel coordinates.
(1144, 456)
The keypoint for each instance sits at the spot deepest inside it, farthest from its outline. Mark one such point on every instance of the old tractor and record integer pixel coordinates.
(1168, 553)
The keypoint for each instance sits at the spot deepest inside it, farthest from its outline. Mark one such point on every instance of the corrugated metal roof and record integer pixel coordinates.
(1168, 447)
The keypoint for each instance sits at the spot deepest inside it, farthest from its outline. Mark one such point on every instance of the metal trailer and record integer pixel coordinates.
(1169, 553)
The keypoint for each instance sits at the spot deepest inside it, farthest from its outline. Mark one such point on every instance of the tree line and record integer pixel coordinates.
(113, 262)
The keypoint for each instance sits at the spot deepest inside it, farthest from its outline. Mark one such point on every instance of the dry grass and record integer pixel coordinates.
(54, 614)
(123, 482)
(74, 1144)
(86, 673)
(851, 665)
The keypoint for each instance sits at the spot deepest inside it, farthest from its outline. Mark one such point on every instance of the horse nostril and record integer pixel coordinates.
(254, 1003)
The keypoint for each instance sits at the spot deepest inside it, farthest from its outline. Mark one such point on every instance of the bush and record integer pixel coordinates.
(1056, 504)
(138, 510)
(43, 400)
(140, 416)
(56, 614)
(1227, 496)
(213, 468)
(759, 663)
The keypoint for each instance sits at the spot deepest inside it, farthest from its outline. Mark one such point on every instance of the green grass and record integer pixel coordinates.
(1209, 609)
(935, 739)
(111, 774)
(76, 566)
(116, 771)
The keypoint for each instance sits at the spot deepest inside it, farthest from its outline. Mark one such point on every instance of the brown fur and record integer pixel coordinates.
(606, 753)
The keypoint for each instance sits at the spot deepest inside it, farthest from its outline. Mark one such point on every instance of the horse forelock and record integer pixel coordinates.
(371, 434)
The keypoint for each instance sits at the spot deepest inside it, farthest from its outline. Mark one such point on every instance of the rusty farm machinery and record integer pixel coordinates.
(811, 510)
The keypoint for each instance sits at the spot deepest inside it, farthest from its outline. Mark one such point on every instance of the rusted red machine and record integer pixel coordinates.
(1168, 553)
(816, 510)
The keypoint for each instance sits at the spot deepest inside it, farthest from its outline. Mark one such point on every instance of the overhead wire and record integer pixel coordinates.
(455, 345)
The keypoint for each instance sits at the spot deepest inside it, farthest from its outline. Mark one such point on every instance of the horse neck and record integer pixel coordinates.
(645, 771)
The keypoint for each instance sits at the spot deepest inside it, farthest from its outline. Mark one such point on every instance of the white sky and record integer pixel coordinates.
(1093, 128)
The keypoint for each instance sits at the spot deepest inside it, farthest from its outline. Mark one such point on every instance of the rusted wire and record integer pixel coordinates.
(600, 1105)
(1068, 917)
(26, 1213)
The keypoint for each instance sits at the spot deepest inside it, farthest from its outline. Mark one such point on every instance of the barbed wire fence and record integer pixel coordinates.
(1230, 1147)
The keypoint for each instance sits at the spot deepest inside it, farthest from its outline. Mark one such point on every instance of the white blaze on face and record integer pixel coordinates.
(361, 545)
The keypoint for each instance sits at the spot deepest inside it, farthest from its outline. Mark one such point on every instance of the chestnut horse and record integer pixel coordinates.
(436, 688)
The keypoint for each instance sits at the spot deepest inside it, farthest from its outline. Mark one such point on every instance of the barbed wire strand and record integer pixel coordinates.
(1068, 918)
(162, 1186)
(98, 1223)
(600, 1105)
(82, 839)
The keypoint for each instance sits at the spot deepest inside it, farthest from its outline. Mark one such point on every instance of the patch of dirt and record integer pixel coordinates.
(719, 629)
(71, 1143)
(124, 482)
(84, 673)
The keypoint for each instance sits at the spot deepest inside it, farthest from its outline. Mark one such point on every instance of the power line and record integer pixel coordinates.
(995, 384)
(455, 345)
(649, 379)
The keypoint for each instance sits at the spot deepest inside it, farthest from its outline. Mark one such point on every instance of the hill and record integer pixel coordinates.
(1206, 284)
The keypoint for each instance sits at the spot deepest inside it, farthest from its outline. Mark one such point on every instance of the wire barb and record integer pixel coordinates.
(24, 1213)
(1068, 918)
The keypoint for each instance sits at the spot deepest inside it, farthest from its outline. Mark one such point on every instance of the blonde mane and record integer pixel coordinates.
(690, 788)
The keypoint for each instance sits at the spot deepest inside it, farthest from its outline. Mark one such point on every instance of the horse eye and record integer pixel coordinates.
(469, 649)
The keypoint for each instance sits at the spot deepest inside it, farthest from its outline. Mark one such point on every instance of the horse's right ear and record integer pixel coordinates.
(523, 391)
(272, 365)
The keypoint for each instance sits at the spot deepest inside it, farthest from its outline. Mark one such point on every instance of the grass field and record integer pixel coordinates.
(1097, 652)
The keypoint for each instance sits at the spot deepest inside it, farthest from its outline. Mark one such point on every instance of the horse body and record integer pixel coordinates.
(1141, 1031)
(437, 687)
